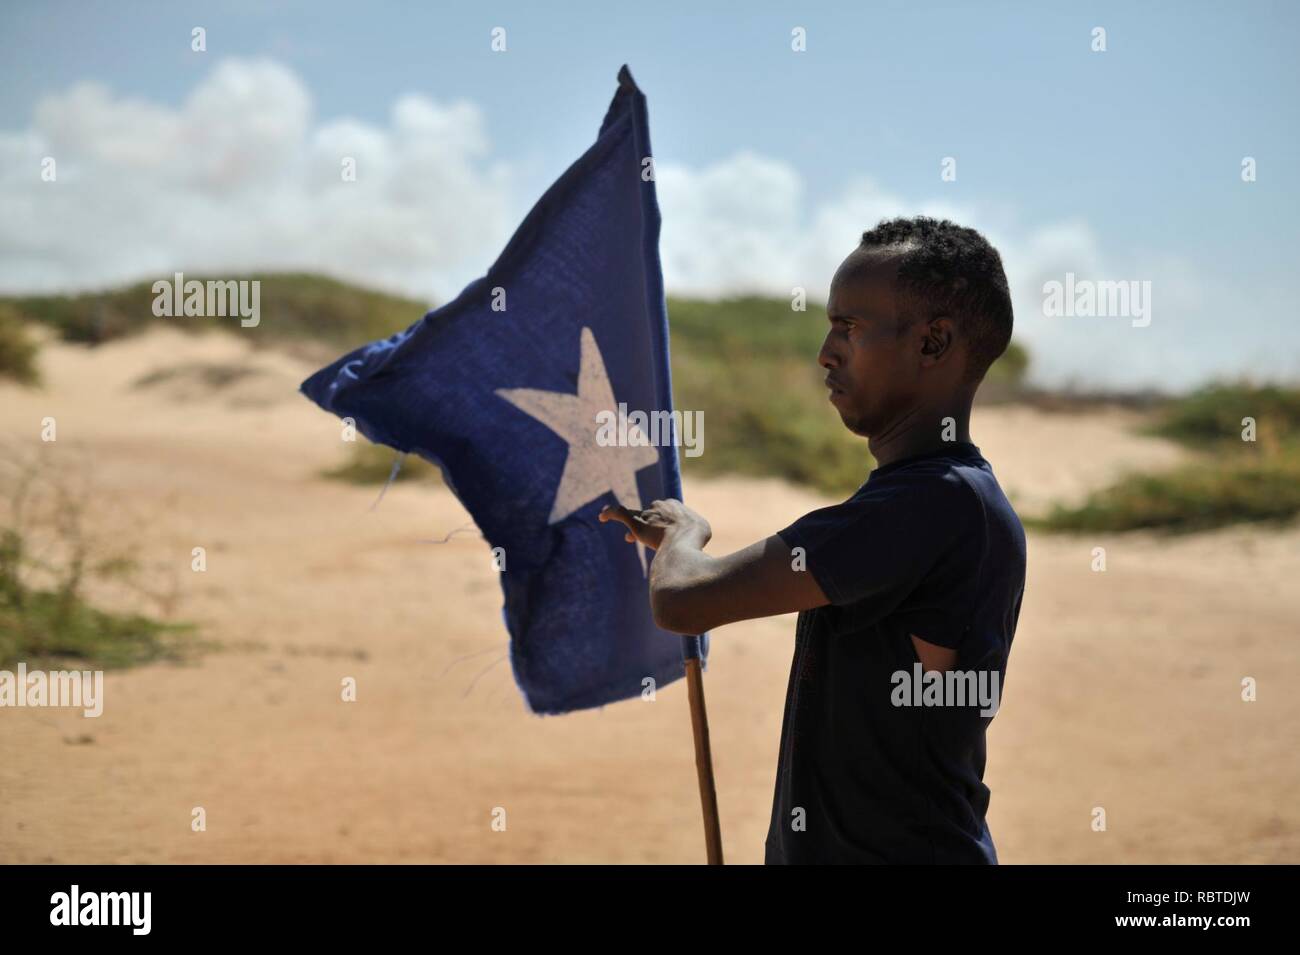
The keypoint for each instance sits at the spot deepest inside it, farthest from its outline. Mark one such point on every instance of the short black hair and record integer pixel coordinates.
(948, 269)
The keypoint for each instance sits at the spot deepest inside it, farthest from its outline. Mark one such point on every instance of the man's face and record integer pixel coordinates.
(870, 355)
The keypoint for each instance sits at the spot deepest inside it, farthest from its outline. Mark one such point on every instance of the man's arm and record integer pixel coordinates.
(691, 592)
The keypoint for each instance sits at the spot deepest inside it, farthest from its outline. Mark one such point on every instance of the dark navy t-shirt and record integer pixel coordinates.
(928, 546)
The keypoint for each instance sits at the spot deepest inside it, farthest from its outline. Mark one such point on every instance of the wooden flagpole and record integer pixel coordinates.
(703, 753)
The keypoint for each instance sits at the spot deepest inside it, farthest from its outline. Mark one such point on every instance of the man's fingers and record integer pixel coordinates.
(618, 513)
(630, 519)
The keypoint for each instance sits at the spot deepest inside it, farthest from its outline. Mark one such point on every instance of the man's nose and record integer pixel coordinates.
(827, 357)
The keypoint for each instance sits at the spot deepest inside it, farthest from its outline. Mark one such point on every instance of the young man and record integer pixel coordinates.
(908, 593)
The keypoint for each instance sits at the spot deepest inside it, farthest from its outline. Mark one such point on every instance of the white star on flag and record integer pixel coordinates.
(590, 469)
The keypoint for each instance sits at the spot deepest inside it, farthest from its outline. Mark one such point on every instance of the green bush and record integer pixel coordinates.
(1212, 416)
(17, 350)
(1233, 481)
(293, 309)
(51, 623)
(1190, 498)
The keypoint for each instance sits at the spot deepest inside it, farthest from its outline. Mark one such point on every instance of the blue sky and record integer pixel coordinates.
(1116, 165)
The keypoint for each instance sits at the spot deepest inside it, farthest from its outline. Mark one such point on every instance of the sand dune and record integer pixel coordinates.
(1123, 690)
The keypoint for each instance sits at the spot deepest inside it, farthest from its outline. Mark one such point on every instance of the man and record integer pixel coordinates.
(918, 575)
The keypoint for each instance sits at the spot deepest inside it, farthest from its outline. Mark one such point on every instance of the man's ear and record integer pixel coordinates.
(939, 334)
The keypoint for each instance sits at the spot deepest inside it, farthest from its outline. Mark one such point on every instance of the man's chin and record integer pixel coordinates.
(855, 424)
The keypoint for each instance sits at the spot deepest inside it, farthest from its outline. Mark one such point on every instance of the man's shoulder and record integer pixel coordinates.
(960, 490)
(941, 480)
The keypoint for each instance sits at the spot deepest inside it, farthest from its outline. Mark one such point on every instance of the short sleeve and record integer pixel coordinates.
(910, 545)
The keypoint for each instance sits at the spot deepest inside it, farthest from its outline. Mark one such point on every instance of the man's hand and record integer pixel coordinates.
(660, 519)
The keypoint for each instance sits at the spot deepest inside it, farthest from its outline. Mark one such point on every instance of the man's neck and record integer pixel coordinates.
(920, 431)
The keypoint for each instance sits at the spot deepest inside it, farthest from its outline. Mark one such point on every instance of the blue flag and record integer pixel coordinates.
(504, 389)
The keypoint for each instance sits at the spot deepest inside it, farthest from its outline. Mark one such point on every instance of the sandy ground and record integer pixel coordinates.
(1123, 690)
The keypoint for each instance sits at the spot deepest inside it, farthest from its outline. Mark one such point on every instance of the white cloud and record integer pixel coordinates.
(240, 177)
(743, 225)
